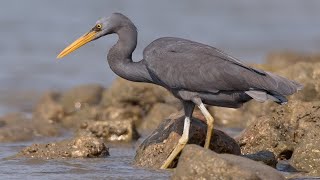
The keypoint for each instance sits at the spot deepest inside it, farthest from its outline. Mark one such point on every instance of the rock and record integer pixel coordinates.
(80, 96)
(265, 134)
(265, 157)
(199, 163)
(150, 102)
(306, 155)
(282, 60)
(83, 146)
(291, 130)
(48, 108)
(133, 93)
(285, 166)
(71, 108)
(281, 130)
(112, 131)
(243, 116)
(85, 114)
(157, 147)
(13, 128)
(307, 74)
(157, 113)
(18, 127)
(111, 113)
(112, 123)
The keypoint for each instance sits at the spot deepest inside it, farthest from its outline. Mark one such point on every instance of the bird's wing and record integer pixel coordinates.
(183, 64)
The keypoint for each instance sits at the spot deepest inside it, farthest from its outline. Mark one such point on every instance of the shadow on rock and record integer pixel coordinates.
(157, 147)
(265, 157)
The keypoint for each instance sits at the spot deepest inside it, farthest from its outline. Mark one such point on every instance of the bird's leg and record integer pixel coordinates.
(188, 108)
(209, 119)
(181, 143)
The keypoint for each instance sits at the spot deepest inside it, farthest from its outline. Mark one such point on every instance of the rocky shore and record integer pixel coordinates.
(277, 142)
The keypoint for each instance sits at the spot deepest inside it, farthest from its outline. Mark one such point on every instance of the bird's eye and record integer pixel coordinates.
(99, 26)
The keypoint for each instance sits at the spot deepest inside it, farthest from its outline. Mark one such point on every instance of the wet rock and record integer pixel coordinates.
(157, 147)
(199, 163)
(158, 112)
(291, 130)
(265, 157)
(113, 131)
(83, 146)
(18, 127)
(48, 108)
(80, 96)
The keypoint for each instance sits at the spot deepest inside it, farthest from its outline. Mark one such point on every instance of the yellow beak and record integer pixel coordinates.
(77, 44)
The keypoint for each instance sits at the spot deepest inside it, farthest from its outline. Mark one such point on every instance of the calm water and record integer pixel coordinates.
(32, 33)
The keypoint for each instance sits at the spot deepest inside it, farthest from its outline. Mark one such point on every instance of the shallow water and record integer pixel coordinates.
(33, 32)
(116, 166)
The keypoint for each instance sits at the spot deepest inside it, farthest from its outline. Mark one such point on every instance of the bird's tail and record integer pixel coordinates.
(262, 96)
(275, 88)
(283, 86)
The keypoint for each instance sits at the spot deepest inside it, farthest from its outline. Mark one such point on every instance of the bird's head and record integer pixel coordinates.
(102, 27)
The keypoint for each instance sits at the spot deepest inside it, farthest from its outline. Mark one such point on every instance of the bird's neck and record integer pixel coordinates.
(120, 56)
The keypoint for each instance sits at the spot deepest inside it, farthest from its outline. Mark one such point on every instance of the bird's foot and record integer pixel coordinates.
(181, 144)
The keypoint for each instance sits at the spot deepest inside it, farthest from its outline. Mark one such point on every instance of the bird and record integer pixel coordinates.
(195, 73)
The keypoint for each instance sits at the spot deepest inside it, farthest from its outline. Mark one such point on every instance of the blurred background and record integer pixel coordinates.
(33, 32)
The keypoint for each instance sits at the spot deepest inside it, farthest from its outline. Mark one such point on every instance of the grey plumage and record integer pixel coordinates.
(201, 70)
(182, 64)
